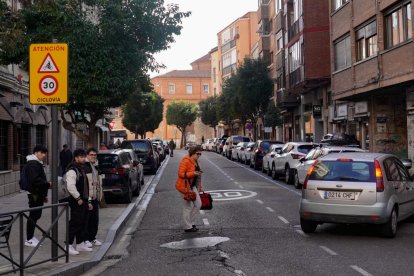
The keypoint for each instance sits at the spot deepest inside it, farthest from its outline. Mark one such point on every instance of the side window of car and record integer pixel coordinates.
(403, 171)
(391, 170)
(290, 148)
(285, 149)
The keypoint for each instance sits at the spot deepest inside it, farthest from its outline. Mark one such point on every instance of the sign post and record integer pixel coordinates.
(48, 85)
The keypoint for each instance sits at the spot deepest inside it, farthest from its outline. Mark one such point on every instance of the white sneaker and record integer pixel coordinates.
(88, 244)
(73, 251)
(33, 242)
(82, 247)
(96, 242)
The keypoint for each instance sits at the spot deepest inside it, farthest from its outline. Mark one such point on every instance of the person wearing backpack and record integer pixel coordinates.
(78, 188)
(33, 179)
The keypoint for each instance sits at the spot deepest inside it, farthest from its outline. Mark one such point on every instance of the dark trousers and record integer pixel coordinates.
(93, 221)
(171, 152)
(34, 216)
(78, 223)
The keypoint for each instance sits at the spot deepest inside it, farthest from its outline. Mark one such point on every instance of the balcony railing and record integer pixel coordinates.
(293, 30)
(286, 100)
(228, 45)
(229, 69)
(295, 77)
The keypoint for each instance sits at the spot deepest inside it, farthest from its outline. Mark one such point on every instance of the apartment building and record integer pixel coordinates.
(372, 55)
(184, 85)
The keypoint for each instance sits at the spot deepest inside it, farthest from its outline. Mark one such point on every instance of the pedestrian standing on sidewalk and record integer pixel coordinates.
(78, 188)
(37, 187)
(65, 157)
(171, 145)
(95, 196)
(189, 173)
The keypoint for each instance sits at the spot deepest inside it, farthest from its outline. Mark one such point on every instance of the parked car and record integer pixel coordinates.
(307, 161)
(120, 176)
(188, 145)
(373, 188)
(160, 150)
(231, 142)
(144, 150)
(137, 163)
(246, 155)
(326, 138)
(204, 146)
(268, 159)
(238, 151)
(260, 149)
(212, 144)
(343, 139)
(220, 145)
(286, 163)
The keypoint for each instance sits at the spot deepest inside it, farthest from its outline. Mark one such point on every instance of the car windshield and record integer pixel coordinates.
(108, 161)
(305, 148)
(140, 146)
(351, 171)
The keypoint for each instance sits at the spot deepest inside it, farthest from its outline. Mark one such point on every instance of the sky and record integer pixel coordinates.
(199, 33)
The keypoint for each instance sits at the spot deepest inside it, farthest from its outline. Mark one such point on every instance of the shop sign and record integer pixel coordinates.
(342, 110)
(317, 110)
(361, 107)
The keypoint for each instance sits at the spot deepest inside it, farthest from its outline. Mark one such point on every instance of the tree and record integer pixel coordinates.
(208, 112)
(111, 48)
(143, 113)
(181, 114)
(273, 117)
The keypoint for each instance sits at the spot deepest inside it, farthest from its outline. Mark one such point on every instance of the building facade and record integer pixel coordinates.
(372, 55)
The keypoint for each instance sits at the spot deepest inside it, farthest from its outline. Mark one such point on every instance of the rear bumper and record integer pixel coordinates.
(115, 191)
(339, 213)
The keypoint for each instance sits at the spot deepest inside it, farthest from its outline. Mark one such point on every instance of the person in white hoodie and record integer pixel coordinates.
(37, 187)
(78, 188)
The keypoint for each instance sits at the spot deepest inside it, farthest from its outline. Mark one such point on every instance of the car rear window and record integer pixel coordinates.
(351, 171)
(140, 146)
(305, 148)
(108, 161)
(239, 139)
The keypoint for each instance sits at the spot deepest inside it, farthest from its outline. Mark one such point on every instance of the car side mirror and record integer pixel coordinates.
(407, 163)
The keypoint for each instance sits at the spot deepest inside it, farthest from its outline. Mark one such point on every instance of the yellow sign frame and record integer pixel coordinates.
(48, 73)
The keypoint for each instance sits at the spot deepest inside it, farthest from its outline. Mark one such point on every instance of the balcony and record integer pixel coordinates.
(264, 27)
(295, 77)
(263, 12)
(278, 23)
(280, 58)
(229, 69)
(264, 43)
(228, 45)
(285, 100)
(293, 30)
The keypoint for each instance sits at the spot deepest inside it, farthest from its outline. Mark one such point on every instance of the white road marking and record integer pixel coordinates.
(258, 200)
(329, 251)
(270, 209)
(283, 219)
(241, 186)
(300, 232)
(202, 212)
(205, 221)
(235, 182)
(360, 270)
(231, 179)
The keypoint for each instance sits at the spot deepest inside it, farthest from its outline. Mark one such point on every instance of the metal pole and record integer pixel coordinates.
(21, 245)
(55, 150)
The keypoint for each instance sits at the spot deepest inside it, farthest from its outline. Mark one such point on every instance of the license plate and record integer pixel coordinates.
(339, 195)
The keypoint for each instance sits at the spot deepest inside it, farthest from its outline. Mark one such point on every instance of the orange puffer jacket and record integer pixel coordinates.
(186, 169)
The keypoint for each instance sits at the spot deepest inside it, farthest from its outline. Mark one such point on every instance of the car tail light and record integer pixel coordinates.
(305, 183)
(119, 171)
(379, 177)
(297, 156)
(344, 160)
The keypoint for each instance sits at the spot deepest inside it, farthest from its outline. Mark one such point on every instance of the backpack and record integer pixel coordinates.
(24, 182)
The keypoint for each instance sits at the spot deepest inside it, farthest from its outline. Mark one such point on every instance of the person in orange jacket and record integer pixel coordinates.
(189, 174)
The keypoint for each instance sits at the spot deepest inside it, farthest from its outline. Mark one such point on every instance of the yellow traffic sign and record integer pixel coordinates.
(49, 73)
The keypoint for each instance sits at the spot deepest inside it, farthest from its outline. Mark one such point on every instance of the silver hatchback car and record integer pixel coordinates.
(373, 188)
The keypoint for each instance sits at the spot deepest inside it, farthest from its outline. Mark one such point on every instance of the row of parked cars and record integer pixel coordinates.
(340, 184)
(123, 169)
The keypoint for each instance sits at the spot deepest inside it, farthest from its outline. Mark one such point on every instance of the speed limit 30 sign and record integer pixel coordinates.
(49, 73)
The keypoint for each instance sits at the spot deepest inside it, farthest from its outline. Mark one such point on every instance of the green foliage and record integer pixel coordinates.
(111, 46)
(208, 111)
(143, 112)
(181, 114)
(273, 118)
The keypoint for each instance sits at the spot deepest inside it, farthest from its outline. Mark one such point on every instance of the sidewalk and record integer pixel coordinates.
(111, 220)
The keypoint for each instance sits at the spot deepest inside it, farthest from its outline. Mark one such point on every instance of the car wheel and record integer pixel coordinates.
(389, 229)
(308, 226)
(142, 183)
(128, 195)
(274, 174)
(288, 175)
(269, 171)
(296, 180)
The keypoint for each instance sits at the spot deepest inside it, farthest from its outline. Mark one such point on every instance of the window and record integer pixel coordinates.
(295, 57)
(336, 4)
(40, 135)
(297, 10)
(279, 41)
(3, 145)
(214, 75)
(189, 88)
(171, 88)
(366, 41)
(398, 24)
(205, 88)
(391, 170)
(278, 6)
(342, 53)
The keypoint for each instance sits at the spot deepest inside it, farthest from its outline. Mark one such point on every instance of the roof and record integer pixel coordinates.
(187, 74)
(204, 58)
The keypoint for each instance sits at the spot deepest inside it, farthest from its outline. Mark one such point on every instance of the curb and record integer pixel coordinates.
(82, 267)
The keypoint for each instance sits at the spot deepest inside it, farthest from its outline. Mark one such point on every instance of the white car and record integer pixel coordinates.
(211, 144)
(307, 161)
(204, 146)
(286, 163)
(237, 152)
(268, 159)
(246, 154)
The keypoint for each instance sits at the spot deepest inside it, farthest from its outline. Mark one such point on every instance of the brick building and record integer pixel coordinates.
(372, 55)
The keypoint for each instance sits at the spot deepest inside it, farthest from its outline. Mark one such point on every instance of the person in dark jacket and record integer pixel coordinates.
(78, 188)
(37, 187)
(65, 157)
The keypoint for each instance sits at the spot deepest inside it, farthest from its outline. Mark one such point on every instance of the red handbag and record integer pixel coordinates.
(206, 201)
(189, 195)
